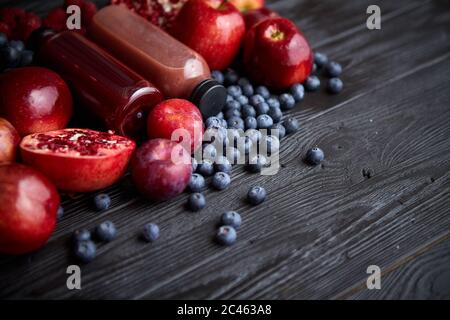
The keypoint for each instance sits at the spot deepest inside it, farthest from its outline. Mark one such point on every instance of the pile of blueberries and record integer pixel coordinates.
(13, 54)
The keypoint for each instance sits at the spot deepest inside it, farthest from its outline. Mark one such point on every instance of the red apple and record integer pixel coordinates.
(252, 17)
(213, 28)
(161, 169)
(34, 99)
(176, 114)
(78, 160)
(9, 140)
(246, 5)
(277, 54)
(29, 203)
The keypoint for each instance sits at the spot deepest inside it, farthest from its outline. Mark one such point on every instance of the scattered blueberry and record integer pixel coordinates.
(291, 125)
(226, 235)
(231, 114)
(196, 202)
(194, 164)
(287, 101)
(106, 231)
(197, 182)
(232, 105)
(281, 130)
(263, 92)
(231, 77)
(232, 154)
(315, 156)
(232, 219)
(224, 123)
(320, 59)
(205, 168)
(209, 152)
(335, 85)
(243, 100)
(333, 69)
(233, 136)
(221, 181)
(222, 164)
(255, 99)
(248, 144)
(85, 251)
(17, 44)
(81, 235)
(264, 121)
(213, 122)
(243, 82)
(102, 201)
(272, 144)
(298, 92)
(254, 135)
(256, 195)
(273, 102)
(220, 115)
(248, 111)
(250, 123)
(229, 98)
(262, 108)
(256, 163)
(248, 90)
(150, 232)
(60, 213)
(312, 83)
(10, 57)
(275, 113)
(234, 91)
(218, 76)
(236, 122)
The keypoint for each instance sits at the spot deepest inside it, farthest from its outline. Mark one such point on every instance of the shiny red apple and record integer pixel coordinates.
(213, 28)
(34, 99)
(246, 5)
(9, 140)
(252, 17)
(161, 169)
(178, 120)
(29, 204)
(277, 54)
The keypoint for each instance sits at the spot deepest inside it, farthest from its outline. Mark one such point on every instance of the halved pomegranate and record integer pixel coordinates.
(78, 160)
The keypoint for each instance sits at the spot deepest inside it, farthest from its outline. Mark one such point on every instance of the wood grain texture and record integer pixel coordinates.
(321, 226)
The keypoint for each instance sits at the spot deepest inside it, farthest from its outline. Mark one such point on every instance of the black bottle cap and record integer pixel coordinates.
(210, 97)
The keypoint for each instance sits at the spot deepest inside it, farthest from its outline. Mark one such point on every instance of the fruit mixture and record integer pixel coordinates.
(261, 62)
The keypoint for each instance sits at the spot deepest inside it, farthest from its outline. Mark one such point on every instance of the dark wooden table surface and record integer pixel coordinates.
(321, 226)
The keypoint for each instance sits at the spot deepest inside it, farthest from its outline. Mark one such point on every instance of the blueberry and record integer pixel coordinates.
(243, 100)
(272, 144)
(320, 59)
(213, 122)
(17, 44)
(298, 92)
(221, 181)
(262, 108)
(150, 232)
(248, 90)
(312, 83)
(264, 121)
(248, 144)
(81, 235)
(234, 91)
(229, 98)
(102, 201)
(194, 164)
(263, 92)
(10, 57)
(218, 136)
(197, 182)
(254, 135)
(335, 85)
(291, 125)
(226, 235)
(218, 76)
(273, 102)
(333, 69)
(85, 251)
(224, 123)
(60, 213)
(233, 136)
(256, 195)
(256, 163)
(231, 114)
(3, 39)
(275, 113)
(232, 105)
(26, 58)
(231, 77)
(209, 152)
(248, 111)
(222, 164)
(106, 231)
(281, 130)
(243, 82)
(232, 154)
(314, 156)
(205, 168)
(287, 101)
(232, 219)
(236, 123)
(196, 202)
(250, 123)
(220, 115)
(255, 99)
